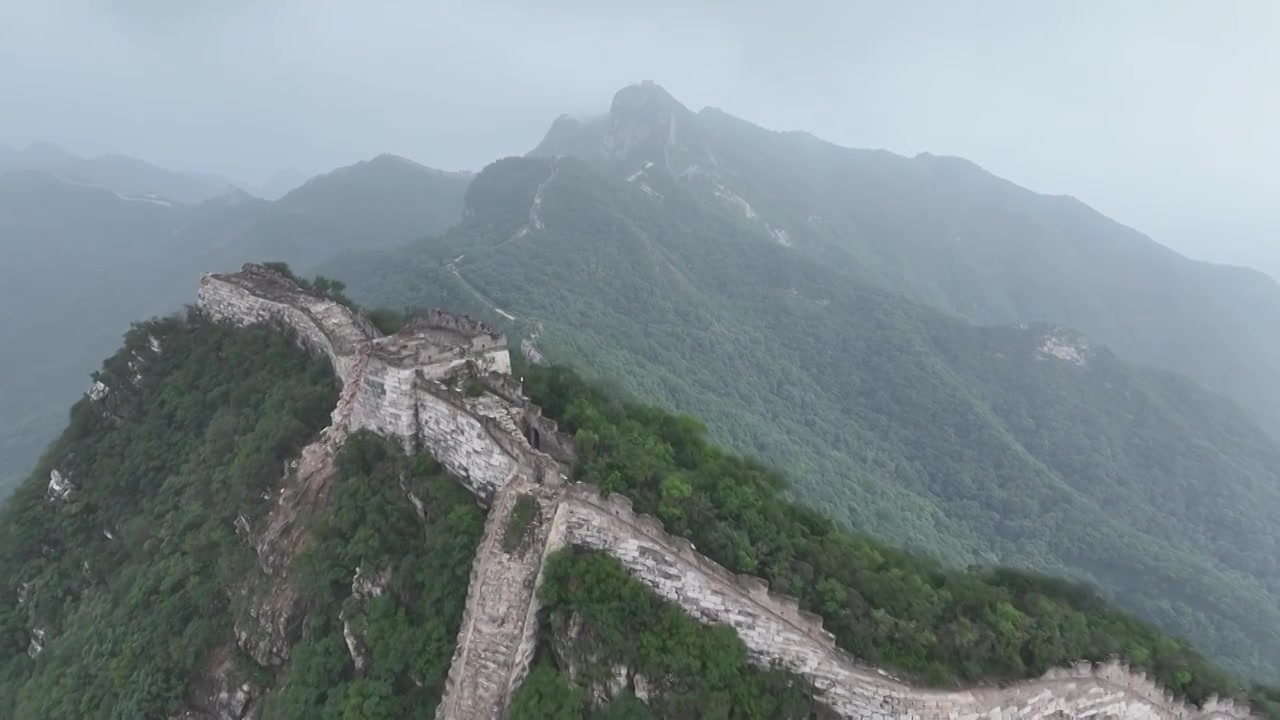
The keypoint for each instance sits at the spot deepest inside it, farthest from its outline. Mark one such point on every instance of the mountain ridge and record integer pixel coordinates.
(943, 231)
(120, 173)
(698, 306)
(95, 243)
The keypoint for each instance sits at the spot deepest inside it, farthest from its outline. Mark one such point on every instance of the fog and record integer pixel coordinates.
(1161, 114)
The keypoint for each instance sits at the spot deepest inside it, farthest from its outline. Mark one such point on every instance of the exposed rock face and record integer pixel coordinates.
(1070, 347)
(503, 449)
(36, 645)
(364, 587)
(60, 487)
(221, 693)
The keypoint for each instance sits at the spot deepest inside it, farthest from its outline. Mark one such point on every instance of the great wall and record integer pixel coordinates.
(442, 384)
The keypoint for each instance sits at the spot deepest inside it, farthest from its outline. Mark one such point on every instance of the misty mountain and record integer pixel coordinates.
(1028, 443)
(83, 261)
(373, 204)
(120, 173)
(944, 232)
(279, 184)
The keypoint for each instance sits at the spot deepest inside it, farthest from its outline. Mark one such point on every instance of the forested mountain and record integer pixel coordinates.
(125, 555)
(374, 204)
(938, 358)
(944, 232)
(1028, 444)
(82, 261)
(121, 586)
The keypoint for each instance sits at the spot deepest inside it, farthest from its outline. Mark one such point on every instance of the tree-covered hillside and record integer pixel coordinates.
(946, 233)
(120, 583)
(1025, 445)
(125, 559)
(118, 588)
(900, 611)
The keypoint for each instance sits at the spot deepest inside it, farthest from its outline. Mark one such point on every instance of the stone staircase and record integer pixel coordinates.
(498, 628)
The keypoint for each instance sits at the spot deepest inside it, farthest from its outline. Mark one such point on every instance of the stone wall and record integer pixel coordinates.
(393, 386)
(774, 629)
(466, 443)
(322, 325)
(437, 342)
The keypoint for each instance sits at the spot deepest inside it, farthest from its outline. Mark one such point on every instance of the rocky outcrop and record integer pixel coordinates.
(60, 486)
(410, 386)
(364, 587)
(98, 391)
(37, 642)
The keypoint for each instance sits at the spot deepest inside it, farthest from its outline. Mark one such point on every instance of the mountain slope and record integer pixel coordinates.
(1023, 445)
(125, 580)
(942, 231)
(374, 204)
(82, 261)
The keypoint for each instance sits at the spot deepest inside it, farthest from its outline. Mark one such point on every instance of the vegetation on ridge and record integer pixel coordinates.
(136, 568)
(409, 629)
(130, 579)
(120, 600)
(886, 606)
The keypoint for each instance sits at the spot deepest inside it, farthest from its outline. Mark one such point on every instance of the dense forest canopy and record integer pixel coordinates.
(122, 589)
(119, 599)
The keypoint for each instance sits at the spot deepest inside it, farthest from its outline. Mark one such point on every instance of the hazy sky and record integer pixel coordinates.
(1161, 113)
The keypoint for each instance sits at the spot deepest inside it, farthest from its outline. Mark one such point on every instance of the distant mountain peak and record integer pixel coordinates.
(236, 196)
(646, 97)
(393, 159)
(644, 118)
(41, 153)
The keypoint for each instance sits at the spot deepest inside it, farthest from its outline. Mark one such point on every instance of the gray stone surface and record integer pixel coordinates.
(502, 448)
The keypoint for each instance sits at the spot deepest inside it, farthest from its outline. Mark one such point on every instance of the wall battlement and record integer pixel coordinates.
(409, 386)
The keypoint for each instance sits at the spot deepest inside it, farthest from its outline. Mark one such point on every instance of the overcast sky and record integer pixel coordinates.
(1161, 113)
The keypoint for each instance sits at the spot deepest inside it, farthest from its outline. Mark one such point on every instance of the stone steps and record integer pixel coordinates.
(494, 628)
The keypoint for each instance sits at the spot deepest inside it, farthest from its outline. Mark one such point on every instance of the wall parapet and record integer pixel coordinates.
(776, 629)
(783, 606)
